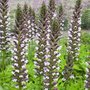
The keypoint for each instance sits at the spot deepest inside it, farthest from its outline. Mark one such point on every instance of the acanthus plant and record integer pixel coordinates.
(20, 76)
(41, 42)
(87, 81)
(32, 26)
(52, 57)
(61, 17)
(4, 37)
(52, 9)
(74, 42)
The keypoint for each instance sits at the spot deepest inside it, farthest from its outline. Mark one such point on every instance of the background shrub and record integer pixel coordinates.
(86, 19)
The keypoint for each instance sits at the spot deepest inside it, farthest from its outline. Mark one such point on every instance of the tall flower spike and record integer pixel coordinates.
(61, 17)
(52, 9)
(74, 41)
(52, 61)
(41, 41)
(4, 31)
(19, 72)
(87, 81)
(32, 24)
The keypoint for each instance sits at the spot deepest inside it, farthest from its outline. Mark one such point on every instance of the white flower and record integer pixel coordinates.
(47, 56)
(23, 82)
(46, 84)
(53, 74)
(53, 67)
(14, 80)
(54, 59)
(36, 55)
(79, 34)
(58, 68)
(58, 55)
(86, 88)
(59, 48)
(86, 76)
(87, 70)
(55, 79)
(57, 74)
(47, 77)
(35, 63)
(71, 21)
(46, 69)
(55, 52)
(85, 81)
(13, 72)
(26, 71)
(17, 71)
(0, 21)
(46, 63)
(49, 30)
(21, 76)
(46, 89)
(79, 28)
(87, 64)
(17, 86)
(15, 64)
(72, 76)
(47, 50)
(47, 42)
(63, 79)
(24, 66)
(29, 22)
(54, 15)
(26, 61)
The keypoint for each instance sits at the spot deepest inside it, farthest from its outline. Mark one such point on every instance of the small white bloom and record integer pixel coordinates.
(21, 76)
(72, 77)
(46, 63)
(36, 55)
(53, 74)
(54, 67)
(54, 59)
(46, 89)
(55, 52)
(87, 70)
(87, 64)
(23, 82)
(47, 50)
(79, 34)
(86, 88)
(59, 48)
(63, 79)
(14, 80)
(86, 76)
(46, 69)
(15, 64)
(26, 71)
(58, 55)
(58, 68)
(85, 81)
(55, 79)
(46, 84)
(15, 57)
(13, 72)
(17, 71)
(24, 66)
(79, 28)
(36, 48)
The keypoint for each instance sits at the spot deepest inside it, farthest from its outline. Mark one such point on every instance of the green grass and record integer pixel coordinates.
(34, 84)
